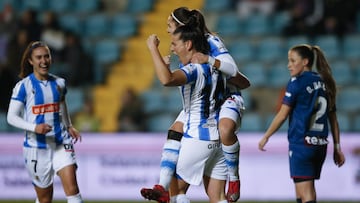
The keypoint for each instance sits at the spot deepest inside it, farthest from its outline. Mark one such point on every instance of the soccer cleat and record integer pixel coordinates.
(233, 193)
(157, 193)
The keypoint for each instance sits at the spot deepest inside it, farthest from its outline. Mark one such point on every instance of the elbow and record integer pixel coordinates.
(247, 84)
(166, 83)
(9, 119)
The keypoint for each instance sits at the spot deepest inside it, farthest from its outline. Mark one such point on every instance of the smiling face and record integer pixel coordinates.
(296, 64)
(40, 60)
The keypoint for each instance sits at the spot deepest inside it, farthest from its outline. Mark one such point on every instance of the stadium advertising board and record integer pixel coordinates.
(116, 166)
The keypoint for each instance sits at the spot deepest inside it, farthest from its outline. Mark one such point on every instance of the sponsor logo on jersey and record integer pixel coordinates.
(46, 108)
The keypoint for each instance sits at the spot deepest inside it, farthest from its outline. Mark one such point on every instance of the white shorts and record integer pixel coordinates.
(198, 158)
(41, 164)
(233, 108)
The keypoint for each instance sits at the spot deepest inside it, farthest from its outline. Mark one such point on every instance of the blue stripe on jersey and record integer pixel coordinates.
(21, 95)
(40, 118)
(216, 46)
(57, 97)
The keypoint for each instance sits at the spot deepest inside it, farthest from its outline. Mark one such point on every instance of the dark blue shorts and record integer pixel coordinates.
(306, 161)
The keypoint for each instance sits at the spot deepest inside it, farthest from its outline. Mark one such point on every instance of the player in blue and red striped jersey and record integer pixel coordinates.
(309, 102)
(38, 107)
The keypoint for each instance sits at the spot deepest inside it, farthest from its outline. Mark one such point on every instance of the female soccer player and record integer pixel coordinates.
(38, 107)
(309, 102)
(230, 115)
(199, 84)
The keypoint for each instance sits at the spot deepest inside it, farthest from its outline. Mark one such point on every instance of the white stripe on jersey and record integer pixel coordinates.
(199, 102)
(41, 101)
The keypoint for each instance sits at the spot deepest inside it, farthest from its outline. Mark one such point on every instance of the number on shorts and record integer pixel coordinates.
(35, 164)
(322, 103)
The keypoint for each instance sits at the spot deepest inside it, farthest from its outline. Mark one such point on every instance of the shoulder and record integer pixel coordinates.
(59, 80)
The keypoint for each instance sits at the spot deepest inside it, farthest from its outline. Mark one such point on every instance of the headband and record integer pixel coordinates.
(177, 20)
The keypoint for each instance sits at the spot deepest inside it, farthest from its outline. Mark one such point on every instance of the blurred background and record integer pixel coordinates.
(99, 46)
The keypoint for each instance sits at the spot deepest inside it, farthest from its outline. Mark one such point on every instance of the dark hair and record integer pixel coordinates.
(195, 35)
(193, 18)
(322, 66)
(25, 67)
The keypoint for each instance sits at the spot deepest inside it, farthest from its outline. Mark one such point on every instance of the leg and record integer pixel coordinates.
(44, 195)
(230, 145)
(230, 119)
(69, 182)
(168, 163)
(305, 190)
(215, 189)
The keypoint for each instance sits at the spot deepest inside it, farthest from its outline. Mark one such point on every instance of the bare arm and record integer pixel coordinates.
(338, 156)
(279, 119)
(166, 77)
(74, 133)
(226, 64)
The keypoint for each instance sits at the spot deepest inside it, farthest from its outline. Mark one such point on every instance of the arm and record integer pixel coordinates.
(226, 64)
(338, 156)
(166, 77)
(15, 119)
(74, 133)
(275, 125)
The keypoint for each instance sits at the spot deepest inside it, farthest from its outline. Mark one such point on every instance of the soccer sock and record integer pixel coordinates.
(223, 201)
(231, 154)
(181, 198)
(74, 198)
(37, 200)
(298, 200)
(313, 201)
(173, 199)
(168, 162)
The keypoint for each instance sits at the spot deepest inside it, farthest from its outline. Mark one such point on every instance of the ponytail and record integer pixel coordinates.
(323, 68)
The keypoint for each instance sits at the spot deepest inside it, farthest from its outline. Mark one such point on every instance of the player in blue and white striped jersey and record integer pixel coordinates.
(200, 88)
(230, 114)
(38, 107)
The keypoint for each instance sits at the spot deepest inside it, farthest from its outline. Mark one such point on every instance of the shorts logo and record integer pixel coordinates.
(214, 145)
(315, 140)
(46, 108)
(68, 147)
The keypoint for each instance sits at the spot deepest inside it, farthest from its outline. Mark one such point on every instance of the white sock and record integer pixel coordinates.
(169, 158)
(74, 199)
(223, 201)
(37, 200)
(181, 198)
(231, 154)
(173, 199)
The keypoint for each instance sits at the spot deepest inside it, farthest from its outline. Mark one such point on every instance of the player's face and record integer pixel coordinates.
(171, 25)
(296, 64)
(180, 48)
(41, 61)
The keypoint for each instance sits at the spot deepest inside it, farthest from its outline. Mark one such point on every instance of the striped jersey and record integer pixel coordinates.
(41, 101)
(217, 48)
(199, 100)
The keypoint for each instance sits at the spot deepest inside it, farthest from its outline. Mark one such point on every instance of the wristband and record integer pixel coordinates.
(211, 61)
(337, 146)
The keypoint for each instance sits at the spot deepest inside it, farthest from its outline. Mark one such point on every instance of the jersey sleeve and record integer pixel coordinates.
(290, 92)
